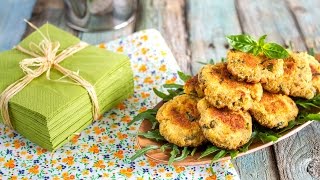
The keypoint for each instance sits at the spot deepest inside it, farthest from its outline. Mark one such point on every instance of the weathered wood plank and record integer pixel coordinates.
(258, 165)
(168, 17)
(298, 157)
(270, 17)
(307, 13)
(207, 40)
(208, 24)
(12, 25)
(51, 11)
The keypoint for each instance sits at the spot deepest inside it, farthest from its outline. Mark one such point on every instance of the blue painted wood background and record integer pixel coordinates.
(195, 31)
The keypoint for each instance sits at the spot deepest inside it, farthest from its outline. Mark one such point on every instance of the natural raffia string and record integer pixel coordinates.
(45, 57)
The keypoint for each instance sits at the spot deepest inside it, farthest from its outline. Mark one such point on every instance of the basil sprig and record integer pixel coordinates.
(246, 43)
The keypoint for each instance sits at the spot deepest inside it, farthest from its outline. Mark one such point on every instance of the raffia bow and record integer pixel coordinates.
(45, 56)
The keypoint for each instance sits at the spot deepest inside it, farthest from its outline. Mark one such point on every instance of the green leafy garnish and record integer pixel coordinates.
(268, 137)
(149, 114)
(175, 151)
(176, 86)
(233, 153)
(184, 154)
(155, 134)
(291, 124)
(311, 52)
(184, 77)
(193, 151)
(310, 103)
(141, 152)
(165, 146)
(219, 155)
(246, 43)
(210, 149)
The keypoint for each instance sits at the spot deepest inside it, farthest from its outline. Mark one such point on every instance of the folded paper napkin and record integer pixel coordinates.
(50, 112)
(102, 150)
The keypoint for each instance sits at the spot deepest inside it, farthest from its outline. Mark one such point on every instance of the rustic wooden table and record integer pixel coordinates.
(196, 32)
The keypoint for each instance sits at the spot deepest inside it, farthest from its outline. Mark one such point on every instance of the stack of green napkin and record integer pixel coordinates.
(48, 112)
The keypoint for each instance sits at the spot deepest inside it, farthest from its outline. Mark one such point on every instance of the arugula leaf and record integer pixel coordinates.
(153, 135)
(233, 153)
(311, 52)
(274, 51)
(245, 147)
(177, 86)
(143, 151)
(310, 103)
(219, 155)
(193, 151)
(243, 43)
(315, 117)
(184, 77)
(291, 124)
(167, 97)
(184, 154)
(210, 149)
(149, 114)
(175, 151)
(165, 146)
(267, 136)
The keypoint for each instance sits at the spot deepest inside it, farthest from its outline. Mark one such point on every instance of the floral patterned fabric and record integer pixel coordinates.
(102, 150)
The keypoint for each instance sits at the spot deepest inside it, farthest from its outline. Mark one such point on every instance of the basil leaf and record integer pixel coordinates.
(149, 114)
(175, 151)
(261, 40)
(153, 135)
(274, 51)
(210, 149)
(143, 151)
(242, 43)
(177, 86)
(184, 77)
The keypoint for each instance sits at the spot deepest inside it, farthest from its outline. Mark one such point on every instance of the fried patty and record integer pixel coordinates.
(224, 128)
(274, 110)
(178, 120)
(254, 69)
(315, 70)
(296, 80)
(192, 87)
(221, 89)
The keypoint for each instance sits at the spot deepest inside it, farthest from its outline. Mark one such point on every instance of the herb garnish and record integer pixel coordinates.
(246, 43)
(260, 133)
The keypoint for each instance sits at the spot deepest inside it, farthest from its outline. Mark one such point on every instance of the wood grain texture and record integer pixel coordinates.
(271, 17)
(298, 157)
(307, 13)
(259, 165)
(51, 11)
(167, 16)
(208, 24)
(12, 26)
(294, 160)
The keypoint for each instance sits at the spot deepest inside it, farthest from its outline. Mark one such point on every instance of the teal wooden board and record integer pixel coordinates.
(12, 26)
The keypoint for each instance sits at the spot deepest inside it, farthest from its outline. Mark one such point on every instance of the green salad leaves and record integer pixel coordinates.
(246, 43)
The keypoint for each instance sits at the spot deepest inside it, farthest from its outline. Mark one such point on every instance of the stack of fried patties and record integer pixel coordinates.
(221, 101)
